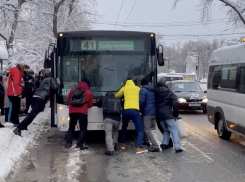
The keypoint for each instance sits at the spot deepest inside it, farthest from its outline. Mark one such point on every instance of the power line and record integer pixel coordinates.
(201, 35)
(118, 14)
(129, 13)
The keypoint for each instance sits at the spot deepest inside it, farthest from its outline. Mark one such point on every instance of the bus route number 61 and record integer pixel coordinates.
(88, 45)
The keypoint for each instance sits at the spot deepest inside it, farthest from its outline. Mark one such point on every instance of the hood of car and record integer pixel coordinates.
(190, 95)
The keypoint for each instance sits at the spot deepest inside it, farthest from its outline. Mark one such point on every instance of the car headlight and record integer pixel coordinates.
(205, 100)
(180, 100)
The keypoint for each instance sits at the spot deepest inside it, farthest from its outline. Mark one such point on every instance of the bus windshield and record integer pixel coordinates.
(105, 72)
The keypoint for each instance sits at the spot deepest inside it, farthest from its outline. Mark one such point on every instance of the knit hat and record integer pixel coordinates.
(86, 81)
(144, 81)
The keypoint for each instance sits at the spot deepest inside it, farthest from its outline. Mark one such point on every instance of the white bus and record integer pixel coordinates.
(226, 91)
(106, 59)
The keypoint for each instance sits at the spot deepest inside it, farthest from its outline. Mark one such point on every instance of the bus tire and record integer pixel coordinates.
(221, 129)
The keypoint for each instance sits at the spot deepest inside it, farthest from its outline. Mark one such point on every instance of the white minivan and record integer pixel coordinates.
(226, 90)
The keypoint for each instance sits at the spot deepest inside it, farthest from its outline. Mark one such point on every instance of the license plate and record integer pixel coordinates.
(194, 105)
(100, 126)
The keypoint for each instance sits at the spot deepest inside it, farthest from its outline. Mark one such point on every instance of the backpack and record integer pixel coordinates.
(78, 97)
(111, 105)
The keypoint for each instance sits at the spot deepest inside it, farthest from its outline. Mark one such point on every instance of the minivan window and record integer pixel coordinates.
(228, 79)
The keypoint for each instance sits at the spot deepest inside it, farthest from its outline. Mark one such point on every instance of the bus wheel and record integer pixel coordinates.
(204, 111)
(221, 130)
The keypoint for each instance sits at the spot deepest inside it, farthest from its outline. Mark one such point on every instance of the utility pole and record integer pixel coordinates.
(198, 58)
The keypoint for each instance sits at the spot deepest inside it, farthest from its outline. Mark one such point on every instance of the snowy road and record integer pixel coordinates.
(206, 159)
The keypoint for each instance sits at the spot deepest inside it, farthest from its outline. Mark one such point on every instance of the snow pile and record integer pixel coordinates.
(12, 147)
(74, 164)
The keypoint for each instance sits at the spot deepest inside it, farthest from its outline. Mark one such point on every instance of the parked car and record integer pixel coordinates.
(190, 95)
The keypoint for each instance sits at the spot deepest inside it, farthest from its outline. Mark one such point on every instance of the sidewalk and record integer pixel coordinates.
(13, 147)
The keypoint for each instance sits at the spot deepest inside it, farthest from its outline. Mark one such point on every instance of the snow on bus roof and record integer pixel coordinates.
(229, 48)
(3, 53)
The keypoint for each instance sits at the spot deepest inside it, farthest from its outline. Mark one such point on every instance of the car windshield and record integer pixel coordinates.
(186, 87)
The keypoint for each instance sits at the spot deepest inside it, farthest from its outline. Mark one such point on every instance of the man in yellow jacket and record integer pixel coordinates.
(130, 92)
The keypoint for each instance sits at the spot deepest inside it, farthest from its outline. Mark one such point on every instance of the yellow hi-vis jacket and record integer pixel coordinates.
(131, 95)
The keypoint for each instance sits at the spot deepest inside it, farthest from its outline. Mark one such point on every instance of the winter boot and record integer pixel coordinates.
(163, 146)
(109, 153)
(83, 147)
(17, 132)
(68, 145)
(1, 126)
(141, 151)
(115, 146)
(154, 149)
(123, 145)
(179, 151)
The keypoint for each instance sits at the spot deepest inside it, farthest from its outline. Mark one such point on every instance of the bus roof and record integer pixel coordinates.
(228, 55)
(105, 33)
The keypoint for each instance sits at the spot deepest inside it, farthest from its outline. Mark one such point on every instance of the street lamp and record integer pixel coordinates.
(221, 36)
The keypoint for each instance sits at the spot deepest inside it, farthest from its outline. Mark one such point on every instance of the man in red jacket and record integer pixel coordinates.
(16, 85)
(79, 113)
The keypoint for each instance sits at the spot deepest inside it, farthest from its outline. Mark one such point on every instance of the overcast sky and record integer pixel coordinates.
(150, 12)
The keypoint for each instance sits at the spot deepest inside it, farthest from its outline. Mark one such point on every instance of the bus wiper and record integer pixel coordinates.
(178, 91)
(192, 91)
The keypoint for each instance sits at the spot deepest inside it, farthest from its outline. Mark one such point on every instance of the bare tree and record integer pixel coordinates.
(236, 10)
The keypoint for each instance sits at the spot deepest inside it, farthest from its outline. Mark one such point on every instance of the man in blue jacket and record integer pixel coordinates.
(148, 111)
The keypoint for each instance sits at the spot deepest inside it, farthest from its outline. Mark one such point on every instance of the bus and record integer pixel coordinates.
(106, 59)
(226, 90)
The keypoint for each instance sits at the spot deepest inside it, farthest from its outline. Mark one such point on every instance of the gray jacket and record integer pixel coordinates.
(46, 86)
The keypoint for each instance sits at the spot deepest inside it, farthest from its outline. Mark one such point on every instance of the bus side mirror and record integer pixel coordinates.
(160, 56)
(46, 62)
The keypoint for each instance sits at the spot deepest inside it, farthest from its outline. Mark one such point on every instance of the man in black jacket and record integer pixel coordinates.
(39, 100)
(167, 112)
(111, 125)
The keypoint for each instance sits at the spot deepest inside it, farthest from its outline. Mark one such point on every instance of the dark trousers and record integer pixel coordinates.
(38, 105)
(28, 101)
(14, 118)
(2, 111)
(83, 123)
(134, 115)
(6, 114)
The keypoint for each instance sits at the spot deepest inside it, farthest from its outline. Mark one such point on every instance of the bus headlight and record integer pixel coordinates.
(60, 108)
(62, 118)
(181, 100)
(68, 119)
(205, 100)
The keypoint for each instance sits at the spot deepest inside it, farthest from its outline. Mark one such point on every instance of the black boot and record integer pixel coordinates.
(164, 147)
(179, 151)
(68, 145)
(1, 126)
(154, 149)
(83, 147)
(170, 144)
(109, 153)
(115, 146)
(17, 132)
(146, 143)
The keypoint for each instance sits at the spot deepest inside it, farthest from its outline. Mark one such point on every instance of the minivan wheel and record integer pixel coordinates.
(221, 130)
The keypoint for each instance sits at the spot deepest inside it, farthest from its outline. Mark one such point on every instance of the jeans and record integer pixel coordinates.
(134, 115)
(10, 110)
(15, 100)
(83, 123)
(38, 105)
(111, 133)
(169, 127)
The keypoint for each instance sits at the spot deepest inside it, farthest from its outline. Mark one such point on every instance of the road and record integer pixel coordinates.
(206, 158)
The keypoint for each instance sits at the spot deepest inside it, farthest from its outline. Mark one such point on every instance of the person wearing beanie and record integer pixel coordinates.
(79, 113)
(148, 111)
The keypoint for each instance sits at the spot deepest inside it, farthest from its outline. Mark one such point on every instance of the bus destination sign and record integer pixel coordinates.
(116, 45)
(120, 45)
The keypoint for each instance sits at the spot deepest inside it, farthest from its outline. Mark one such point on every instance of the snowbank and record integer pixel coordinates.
(12, 147)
